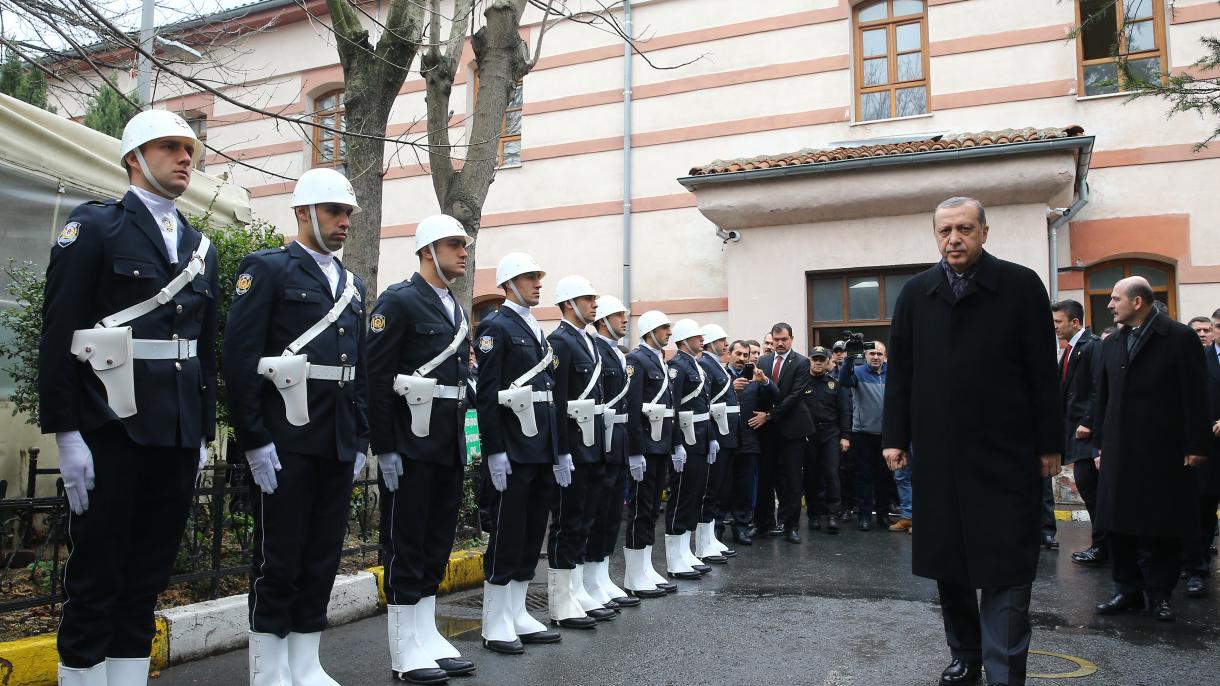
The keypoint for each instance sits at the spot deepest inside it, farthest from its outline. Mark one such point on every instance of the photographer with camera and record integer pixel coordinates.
(866, 379)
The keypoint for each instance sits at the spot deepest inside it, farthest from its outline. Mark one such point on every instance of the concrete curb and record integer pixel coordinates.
(1072, 515)
(196, 631)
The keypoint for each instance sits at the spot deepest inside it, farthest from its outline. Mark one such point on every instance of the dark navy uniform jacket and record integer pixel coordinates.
(281, 292)
(614, 379)
(409, 327)
(507, 348)
(648, 374)
(717, 378)
(684, 379)
(572, 376)
(110, 256)
(829, 403)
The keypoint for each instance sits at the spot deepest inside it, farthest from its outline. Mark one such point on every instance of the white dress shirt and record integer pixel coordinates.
(164, 212)
(527, 316)
(330, 269)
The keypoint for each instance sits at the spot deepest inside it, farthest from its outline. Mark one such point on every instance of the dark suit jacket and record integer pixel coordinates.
(573, 373)
(648, 376)
(755, 397)
(1152, 412)
(1209, 473)
(288, 293)
(684, 378)
(614, 378)
(790, 414)
(118, 259)
(414, 328)
(1078, 393)
(507, 348)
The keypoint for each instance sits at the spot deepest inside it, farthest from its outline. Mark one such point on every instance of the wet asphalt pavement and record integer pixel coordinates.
(833, 611)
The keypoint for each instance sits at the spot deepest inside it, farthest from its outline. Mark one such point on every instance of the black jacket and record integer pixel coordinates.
(790, 414)
(507, 348)
(614, 379)
(648, 376)
(409, 328)
(573, 374)
(1209, 472)
(285, 293)
(109, 257)
(830, 405)
(718, 378)
(685, 379)
(755, 397)
(1078, 393)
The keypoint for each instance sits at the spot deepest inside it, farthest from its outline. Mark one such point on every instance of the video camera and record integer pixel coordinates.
(855, 343)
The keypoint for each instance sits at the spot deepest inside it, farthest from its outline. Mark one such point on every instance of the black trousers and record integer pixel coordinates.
(995, 631)
(822, 488)
(1196, 550)
(874, 480)
(1086, 483)
(298, 539)
(517, 521)
(792, 480)
(419, 521)
(572, 512)
(847, 478)
(122, 549)
(686, 491)
(742, 499)
(644, 502)
(607, 514)
(713, 507)
(1145, 563)
(1048, 508)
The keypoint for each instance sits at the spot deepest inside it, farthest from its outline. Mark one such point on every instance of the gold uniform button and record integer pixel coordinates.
(343, 357)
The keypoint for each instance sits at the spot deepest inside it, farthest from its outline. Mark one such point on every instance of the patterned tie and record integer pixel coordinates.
(779, 361)
(1064, 372)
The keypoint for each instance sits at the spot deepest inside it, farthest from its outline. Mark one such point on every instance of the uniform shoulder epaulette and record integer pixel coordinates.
(270, 251)
(101, 203)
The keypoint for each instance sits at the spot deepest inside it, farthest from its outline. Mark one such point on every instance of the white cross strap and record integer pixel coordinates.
(194, 267)
(723, 389)
(533, 371)
(446, 353)
(349, 292)
(698, 389)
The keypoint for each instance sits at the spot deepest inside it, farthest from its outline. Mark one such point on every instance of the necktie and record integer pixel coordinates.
(1063, 374)
(779, 361)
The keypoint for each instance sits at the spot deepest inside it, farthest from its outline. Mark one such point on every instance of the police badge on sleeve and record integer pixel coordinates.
(68, 235)
(244, 282)
(377, 323)
(486, 343)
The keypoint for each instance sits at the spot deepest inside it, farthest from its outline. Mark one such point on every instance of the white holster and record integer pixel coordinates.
(608, 418)
(656, 414)
(584, 412)
(419, 393)
(288, 373)
(521, 402)
(108, 352)
(720, 415)
(686, 422)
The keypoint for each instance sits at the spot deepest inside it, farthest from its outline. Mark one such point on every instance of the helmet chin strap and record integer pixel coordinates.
(609, 329)
(513, 285)
(152, 180)
(317, 233)
(441, 272)
(576, 311)
(653, 335)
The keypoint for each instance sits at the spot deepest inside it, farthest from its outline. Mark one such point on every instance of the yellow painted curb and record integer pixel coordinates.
(32, 661)
(160, 645)
(465, 570)
(1063, 515)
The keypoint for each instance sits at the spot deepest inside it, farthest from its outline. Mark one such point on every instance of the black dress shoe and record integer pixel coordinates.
(455, 666)
(428, 675)
(961, 672)
(1162, 612)
(751, 532)
(742, 537)
(729, 552)
(1196, 587)
(865, 524)
(1120, 603)
(602, 614)
(702, 569)
(668, 587)
(792, 536)
(626, 602)
(1091, 557)
(505, 647)
(586, 623)
(541, 637)
(776, 531)
(689, 576)
(832, 526)
(1049, 542)
(716, 559)
(647, 593)
(846, 515)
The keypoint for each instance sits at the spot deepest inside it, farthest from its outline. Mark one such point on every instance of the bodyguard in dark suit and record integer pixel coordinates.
(295, 371)
(1196, 558)
(755, 392)
(419, 342)
(1078, 369)
(790, 423)
(131, 445)
(724, 425)
(972, 386)
(518, 430)
(1153, 432)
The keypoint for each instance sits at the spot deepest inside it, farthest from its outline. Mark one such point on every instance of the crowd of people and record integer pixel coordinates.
(582, 437)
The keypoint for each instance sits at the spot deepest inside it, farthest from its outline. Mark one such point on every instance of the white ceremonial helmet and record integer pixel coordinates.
(515, 264)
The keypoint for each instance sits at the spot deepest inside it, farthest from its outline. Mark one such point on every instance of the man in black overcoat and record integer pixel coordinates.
(1153, 432)
(1196, 558)
(972, 388)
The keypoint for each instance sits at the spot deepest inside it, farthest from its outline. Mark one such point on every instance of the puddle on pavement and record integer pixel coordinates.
(451, 627)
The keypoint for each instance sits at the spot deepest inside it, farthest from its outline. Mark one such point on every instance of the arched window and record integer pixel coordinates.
(329, 150)
(1100, 279)
(891, 46)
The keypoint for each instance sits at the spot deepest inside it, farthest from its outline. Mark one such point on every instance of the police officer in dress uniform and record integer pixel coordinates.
(580, 435)
(612, 318)
(724, 427)
(517, 427)
(127, 383)
(418, 348)
(830, 406)
(652, 436)
(295, 368)
(694, 451)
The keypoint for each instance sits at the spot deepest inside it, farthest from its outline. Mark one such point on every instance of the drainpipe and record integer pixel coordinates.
(627, 58)
(1059, 216)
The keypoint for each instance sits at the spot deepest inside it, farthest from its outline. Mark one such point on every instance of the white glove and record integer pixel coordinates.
(390, 465)
(264, 463)
(203, 457)
(679, 458)
(76, 467)
(500, 468)
(713, 450)
(563, 471)
(360, 460)
(637, 464)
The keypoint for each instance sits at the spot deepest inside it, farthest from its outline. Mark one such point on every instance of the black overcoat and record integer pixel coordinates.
(1153, 409)
(1079, 391)
(972, 387)
(1209, 473)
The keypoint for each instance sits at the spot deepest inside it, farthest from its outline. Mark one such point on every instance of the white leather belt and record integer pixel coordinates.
(541, 396)
(599, 409)
(619, 419)
(733, 409)
(328, 373)
(178, 349)
(702, 417)
(450, 392)
(669, 414)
